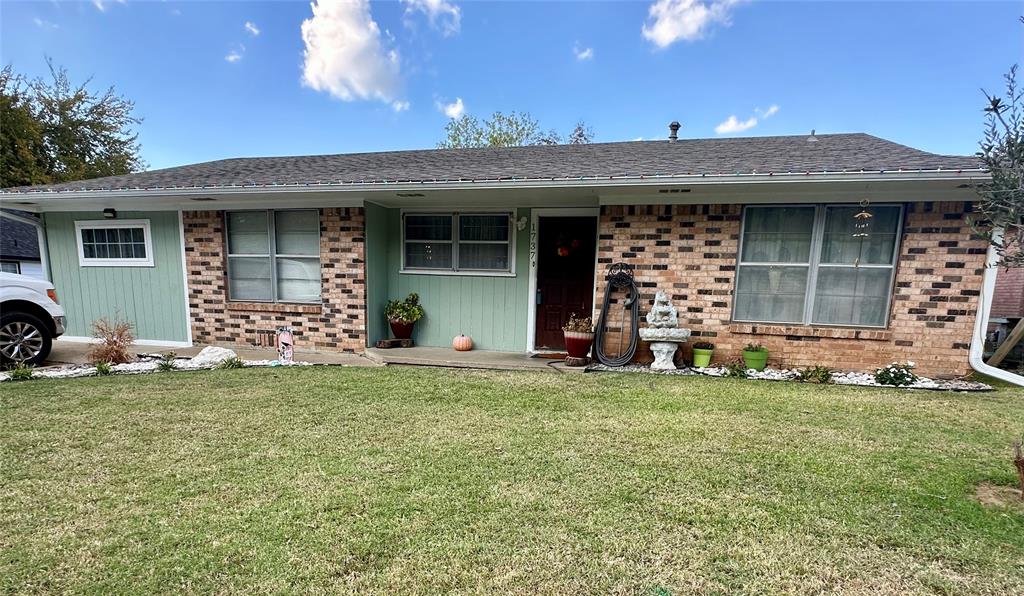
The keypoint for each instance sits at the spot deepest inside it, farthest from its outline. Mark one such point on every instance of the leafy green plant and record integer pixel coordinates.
(896, 374)
(736, 368)
(703, 345)
(21, 372)
(104, 368)
(405, 311)
(231, 363)
(816, 374)
(754, 348)
(167, 363)
(579, 324)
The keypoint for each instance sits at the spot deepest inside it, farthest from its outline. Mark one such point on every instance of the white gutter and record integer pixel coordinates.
(511, 183)
(44, 259)
(977, 352)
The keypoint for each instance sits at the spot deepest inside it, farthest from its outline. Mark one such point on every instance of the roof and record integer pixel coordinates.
(18, 240)
(834, 153)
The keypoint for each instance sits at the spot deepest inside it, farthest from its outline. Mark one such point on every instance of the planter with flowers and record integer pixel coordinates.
(579, 336)
(755, 356)
(402, 315)
(702, 352)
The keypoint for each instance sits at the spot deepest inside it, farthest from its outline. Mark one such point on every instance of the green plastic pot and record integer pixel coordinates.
(755, 360)
(702, 358)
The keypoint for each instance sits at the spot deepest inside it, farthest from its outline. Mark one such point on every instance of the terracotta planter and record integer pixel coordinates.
(577, 343)
(401, 330)
(755, 360)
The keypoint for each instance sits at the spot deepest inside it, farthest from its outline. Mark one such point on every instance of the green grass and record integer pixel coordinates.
(428, 480)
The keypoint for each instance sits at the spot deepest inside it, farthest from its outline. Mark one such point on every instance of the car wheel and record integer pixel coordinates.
(24, 338)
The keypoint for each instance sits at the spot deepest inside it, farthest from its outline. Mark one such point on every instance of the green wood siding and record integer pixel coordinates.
(152, 298)
(491, 310)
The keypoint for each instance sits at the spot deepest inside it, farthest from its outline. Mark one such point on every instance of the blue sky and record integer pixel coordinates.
(381, 76)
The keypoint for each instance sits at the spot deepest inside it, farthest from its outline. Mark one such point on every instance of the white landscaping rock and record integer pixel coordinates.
(211, 356)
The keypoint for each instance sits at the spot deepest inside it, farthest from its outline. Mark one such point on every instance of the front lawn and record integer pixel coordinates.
(428, 480)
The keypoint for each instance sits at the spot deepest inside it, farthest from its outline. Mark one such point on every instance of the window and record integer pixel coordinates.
(457, 242)
(826, 265)
(10, 267)
(114, 243)
(274, 256)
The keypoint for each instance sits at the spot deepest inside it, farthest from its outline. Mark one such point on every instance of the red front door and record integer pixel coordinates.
(566, 248)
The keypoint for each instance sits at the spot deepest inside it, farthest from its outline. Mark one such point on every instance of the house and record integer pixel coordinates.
(19, 245)
(758, 240)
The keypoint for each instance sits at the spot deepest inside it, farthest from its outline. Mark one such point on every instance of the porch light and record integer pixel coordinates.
(109, 213)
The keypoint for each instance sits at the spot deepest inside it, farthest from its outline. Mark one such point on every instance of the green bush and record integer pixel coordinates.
(230, 363)
(21, 372)
(755, 348)
(896, 374)
(104, 368)
(736, 368)
(167, 363)
(816, 374)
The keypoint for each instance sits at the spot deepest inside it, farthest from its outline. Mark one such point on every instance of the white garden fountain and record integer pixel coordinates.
(663, 332)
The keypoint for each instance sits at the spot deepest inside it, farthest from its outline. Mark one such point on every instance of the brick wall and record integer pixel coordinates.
(690, 252)
(339, 323)
(1008, 299)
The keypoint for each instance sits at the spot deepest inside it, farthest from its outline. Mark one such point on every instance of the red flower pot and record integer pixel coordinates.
(401, 330)
(577, 343)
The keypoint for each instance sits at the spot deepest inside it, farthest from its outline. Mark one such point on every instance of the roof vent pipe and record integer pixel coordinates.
(673, 132)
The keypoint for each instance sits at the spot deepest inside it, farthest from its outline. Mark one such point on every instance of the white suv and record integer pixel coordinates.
(30, 318)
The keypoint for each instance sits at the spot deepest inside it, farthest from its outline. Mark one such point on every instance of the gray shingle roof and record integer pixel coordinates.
(18, 241)
(784, 154)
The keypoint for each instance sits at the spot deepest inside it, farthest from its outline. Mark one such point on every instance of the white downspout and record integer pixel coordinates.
(988, 287)
(44, 259)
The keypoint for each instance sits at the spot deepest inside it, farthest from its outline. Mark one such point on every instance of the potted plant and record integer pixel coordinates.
(755, 356)
(579, 335)
(702, 354)
(402, 315)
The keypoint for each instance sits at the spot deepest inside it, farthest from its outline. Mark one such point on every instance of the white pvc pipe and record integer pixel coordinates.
(977, 352)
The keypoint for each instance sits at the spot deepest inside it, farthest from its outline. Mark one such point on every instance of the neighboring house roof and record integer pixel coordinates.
(834, 153)
(19, 241)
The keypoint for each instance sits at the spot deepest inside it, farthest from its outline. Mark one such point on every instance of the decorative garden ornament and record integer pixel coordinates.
(663, 332)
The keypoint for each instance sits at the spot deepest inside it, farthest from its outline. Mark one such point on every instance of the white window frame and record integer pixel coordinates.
(454, 269)
(105, 224)
(273, 256)
(17, 266)
(815, 264)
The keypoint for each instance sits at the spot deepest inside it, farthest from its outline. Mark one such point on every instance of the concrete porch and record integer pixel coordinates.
(481, 359)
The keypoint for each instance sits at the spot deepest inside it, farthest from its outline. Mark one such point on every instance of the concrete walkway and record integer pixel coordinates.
(482, 359)
(74, 352)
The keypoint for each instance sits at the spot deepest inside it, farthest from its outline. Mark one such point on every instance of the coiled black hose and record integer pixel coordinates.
(620, 276)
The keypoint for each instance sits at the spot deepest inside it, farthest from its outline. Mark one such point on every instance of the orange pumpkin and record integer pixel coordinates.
(462, 343)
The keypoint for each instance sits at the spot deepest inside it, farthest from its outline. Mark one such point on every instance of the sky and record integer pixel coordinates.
(235, 79)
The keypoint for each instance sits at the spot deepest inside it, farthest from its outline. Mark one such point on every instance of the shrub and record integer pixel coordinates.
(703, 345)
(816, 374)
(896, 374)
(167, 363)
(406, 311)
(578, 324)
(104, 368)
(21, 372)
(736, 368)
(115, 339)
(755, 348)
(230, 363)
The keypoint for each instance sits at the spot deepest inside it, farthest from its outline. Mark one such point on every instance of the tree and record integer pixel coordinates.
(1002, 151)
(54, 131)
(501, 130)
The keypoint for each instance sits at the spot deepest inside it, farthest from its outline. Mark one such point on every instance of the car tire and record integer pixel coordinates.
(22, 334)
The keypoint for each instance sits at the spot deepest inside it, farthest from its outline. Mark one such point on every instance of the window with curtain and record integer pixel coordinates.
(274, 256)
(457, 242)
(825, 264)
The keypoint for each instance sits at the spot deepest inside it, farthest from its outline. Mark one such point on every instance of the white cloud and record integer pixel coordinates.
(771, 111)
(453, 110)
(733, 124)
(252, 28)
(101, 5)
(668, 21)
(44, 24)
(400, 106)
(234, 56)
(344, 55)
(582, 53)
(442, 14)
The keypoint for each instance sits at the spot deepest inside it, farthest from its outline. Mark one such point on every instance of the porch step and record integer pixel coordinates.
(447, 357)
